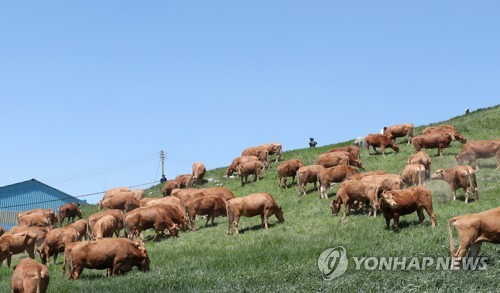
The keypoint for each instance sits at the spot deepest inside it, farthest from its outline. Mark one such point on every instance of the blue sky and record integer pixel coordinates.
(91, 91)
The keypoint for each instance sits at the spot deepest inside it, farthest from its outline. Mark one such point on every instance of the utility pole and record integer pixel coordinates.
(162, 157)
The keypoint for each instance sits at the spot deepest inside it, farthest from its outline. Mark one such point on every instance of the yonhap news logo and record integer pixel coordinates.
(333, 263)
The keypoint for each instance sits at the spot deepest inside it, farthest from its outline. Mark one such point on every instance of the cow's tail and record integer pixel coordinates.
(450, 235)
(230, 215)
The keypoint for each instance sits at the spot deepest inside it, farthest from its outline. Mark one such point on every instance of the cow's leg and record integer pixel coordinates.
(279, 183)
(420, 213)
(208, 219)
(346, 208)
(236, 221)
(474, 250)
(396, 222)
(387, 222)
(55, 257)
(262, 220)
(466, 194)
(9, 258)
(430, 212)
(285, 183)
(213, 218)
(77, 272)
(266, 216)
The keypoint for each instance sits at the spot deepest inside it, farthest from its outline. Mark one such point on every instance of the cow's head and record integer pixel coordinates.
(438, 175)
(279, 215)
(388, 198)
(43, 255)
(460, 138)
(461, 158)
(335, 206)
(395, 147)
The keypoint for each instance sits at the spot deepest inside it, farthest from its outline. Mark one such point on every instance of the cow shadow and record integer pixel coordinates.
(411, 223)
(256, 227)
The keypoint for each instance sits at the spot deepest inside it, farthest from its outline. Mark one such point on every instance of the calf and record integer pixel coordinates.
(395, 203)
(307, 174)
(414, 174)
(431, 141)
(351, 191)
(473, 230)
(210, 205)
(55, 242)
(333, 174)
(115, 254)
(69, 210)
(458, 177)
(446, 129)
(169, 186)
(118, 214)
(199, 171)
(423, 158)
(252, 205)
(401, 130)
(479, 149)
(288, 169)
(249, 168)
(382, 141)
(11, 244)
(34, 219)
(232, 168)
(30, 276)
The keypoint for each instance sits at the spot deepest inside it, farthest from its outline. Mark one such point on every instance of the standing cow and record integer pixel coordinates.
(382, 141)
(199, 172)
(479, 149)
(69, 210)
(288, 169)
(30, 276)
(459, 177)
(401, 130)
(432, 141)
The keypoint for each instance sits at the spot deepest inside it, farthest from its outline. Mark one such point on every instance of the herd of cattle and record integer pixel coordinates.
(128, 210)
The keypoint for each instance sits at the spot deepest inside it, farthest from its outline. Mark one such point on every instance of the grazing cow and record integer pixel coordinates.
(210, 205)
(199, 171)
(55, 242)
(395, 203)
(382, 141)
(446, 129)
(184, 180)
(431, 141)
(459, 177)
(249, 168)
(69, 210)
(423, 158)
(48, 213)
(351, 191)
(414, 175)
(118, 214)
(115, 254)
(333, 159)
(125, 202)
(252, 205)
(81, 227)
(260, 153)
(39, 232)
(473, 230)
(30, 277)
(288, 169)
(104, 228)
(479, 149)
(273, 148)
(307, 174)
(333, 174)
(169, 186)
(159, 217)
(11, 244)
(353, 150)
(232, 168)
(401, 130)
(35, 219)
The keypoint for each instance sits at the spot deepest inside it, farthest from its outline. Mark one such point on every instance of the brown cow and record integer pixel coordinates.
(414, 175)
(423, 158)
(125, 202)
(30, 277)
(222, 192)
(35, 219)
(104, 228)
(69, 210)
(199, 171)
(252, 205)
(432, 141)
(307, 174)
(249, 168)
(288, 169)
(473, 230)
(162, 200)
(384, 182)
(210, 205)
(273, 148)
(459, 177)
(11, 244)
(113, 191)
(382, 141)
(158, 216)
(479, 149)
(184, 180)
(353, 150)
(333, 159)
(185, 195)
(260, 153)
(238, 160)
(118, 214)
(39, 232)
(395, 203)
(169, 186)
(48, 213)
(446, 129)
(81, 227)
(115, 254)
(334, 174)
(365, 174)
(55, 242)
(401, 130)
(351, 191)
(138, 194)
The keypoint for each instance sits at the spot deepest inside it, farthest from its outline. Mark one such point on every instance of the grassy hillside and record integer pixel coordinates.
(285, 257)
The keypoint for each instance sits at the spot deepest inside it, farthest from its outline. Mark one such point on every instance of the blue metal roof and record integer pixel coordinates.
(29, 195)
